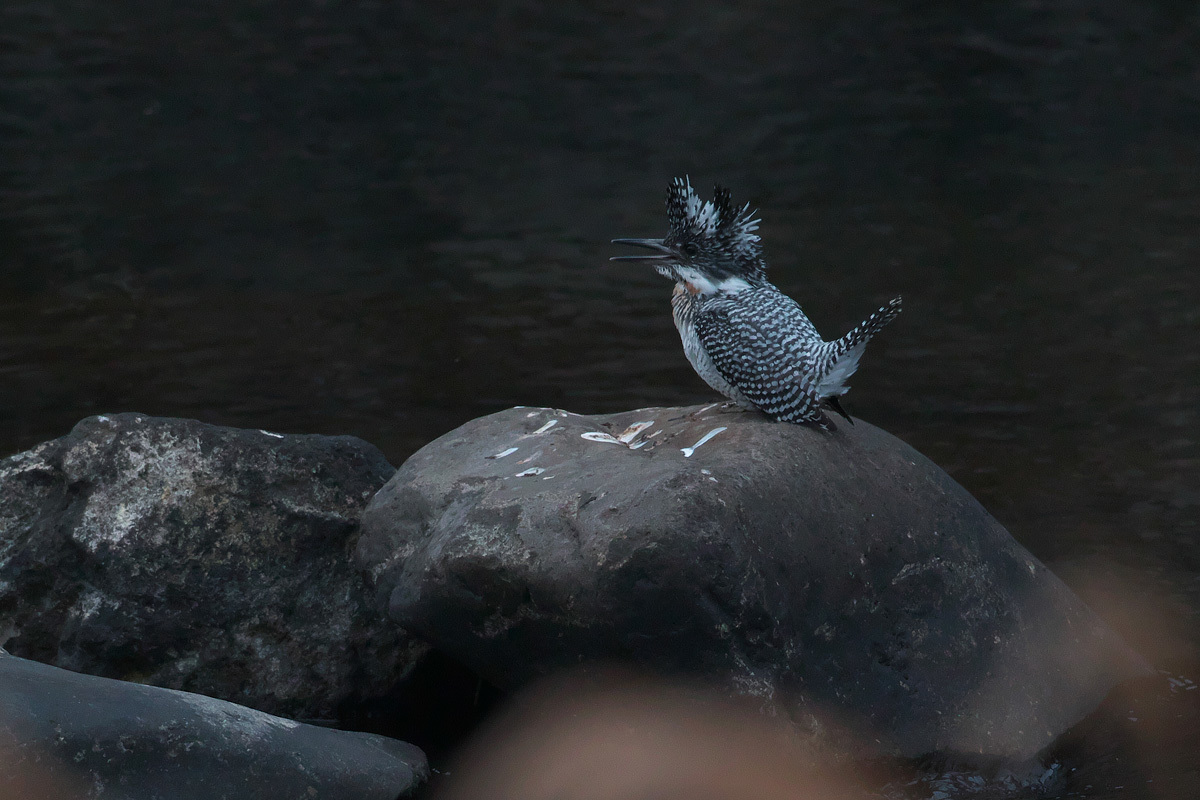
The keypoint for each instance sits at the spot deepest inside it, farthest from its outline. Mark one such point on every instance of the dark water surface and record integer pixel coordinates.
(386, 218)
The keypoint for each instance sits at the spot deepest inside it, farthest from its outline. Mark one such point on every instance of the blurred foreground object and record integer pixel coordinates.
(637, 740)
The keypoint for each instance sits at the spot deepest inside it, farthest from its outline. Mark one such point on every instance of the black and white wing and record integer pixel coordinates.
(764, 345)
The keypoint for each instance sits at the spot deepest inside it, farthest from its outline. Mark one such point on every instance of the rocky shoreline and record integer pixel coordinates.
(842, 582)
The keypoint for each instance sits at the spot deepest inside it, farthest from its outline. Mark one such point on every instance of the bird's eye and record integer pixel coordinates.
(690, 249)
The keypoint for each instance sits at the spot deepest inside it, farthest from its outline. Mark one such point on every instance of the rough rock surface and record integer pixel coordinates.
(844, 578)
(196, 557)
(77, 736)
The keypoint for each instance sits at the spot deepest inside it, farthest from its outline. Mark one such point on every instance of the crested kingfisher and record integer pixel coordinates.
(744, 337)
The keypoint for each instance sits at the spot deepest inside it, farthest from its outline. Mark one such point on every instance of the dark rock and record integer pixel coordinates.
(87, 737)
(843, 578)
(190, 556)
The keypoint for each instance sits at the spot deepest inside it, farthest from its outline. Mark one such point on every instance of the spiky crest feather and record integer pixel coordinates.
(715, 223)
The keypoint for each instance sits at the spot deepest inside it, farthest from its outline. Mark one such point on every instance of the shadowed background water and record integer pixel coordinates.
(385, 219)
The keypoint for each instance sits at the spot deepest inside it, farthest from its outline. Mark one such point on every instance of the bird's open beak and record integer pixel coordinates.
(650, 244)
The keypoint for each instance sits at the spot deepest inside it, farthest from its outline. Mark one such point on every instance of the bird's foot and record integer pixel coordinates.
(728, 405)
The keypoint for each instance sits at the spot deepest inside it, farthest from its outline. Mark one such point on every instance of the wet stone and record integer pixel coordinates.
(78, 737)
(198, 557)
(843, 579)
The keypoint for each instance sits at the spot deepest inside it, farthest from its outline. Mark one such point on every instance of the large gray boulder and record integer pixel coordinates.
(196, 557)
(843, 578)
(69, 737)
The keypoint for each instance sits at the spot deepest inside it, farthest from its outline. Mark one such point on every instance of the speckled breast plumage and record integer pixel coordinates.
(756, 347)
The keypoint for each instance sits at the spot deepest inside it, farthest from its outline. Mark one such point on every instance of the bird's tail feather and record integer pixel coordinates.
(872, 325)
(848, 350)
